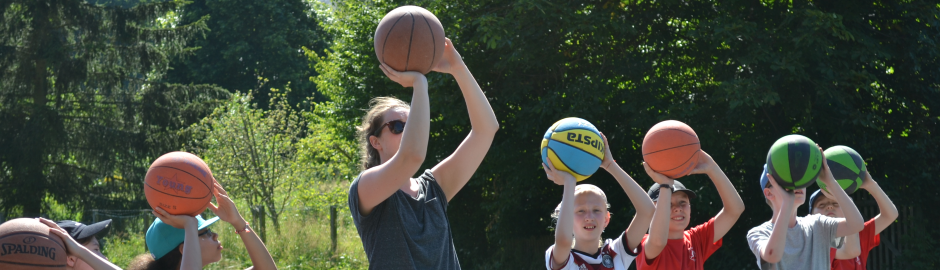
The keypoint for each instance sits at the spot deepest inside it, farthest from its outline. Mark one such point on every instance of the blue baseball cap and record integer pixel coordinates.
(162, 238)
(763, 179)
(812, 200)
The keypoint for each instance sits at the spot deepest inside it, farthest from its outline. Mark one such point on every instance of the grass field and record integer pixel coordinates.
(302, 243)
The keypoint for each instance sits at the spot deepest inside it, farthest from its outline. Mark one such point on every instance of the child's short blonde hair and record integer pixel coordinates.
(578, 190)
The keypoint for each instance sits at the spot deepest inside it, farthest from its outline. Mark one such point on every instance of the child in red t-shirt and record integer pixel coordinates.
(669, 245)
(854, 253)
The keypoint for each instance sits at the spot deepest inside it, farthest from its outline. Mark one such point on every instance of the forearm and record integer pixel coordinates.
(851, 248)
(659, 227)
(888, 211)
(414, 141)
(192, 254)
(730, 199)
(565, 224)
(96, 262)
(773, 251)
(482, 117)
(260, 257)
(853, 218)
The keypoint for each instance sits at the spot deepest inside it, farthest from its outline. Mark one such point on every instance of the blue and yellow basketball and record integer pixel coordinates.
(794, 161)
(847, 168)
(573, 145)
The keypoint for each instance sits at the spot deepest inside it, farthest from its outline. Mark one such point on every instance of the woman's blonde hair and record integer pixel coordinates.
(372, 122)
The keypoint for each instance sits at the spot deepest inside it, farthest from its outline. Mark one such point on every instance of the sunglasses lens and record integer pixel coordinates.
(397, 127)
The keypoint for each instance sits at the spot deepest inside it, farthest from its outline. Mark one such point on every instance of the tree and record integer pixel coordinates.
(253, 153)
(250, 39)
(742, 73)
(77, 78)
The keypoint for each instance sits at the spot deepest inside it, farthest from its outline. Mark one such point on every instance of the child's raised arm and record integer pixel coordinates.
(733, 206)
(564, 228)
(888, 212)
(641, 201)
(772, 250)
(75, 249)
(659, 227)
(853, 222)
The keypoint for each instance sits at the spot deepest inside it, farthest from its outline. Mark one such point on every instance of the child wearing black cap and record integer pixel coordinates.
(85, 236)
(669, 245)
(790, 242)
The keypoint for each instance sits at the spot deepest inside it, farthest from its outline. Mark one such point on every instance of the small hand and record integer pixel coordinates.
(778, 195)
(451, 61)
(177, 221)
(225, 210)
(704, 164)
(825, 175)
(71, 246)
(657, 177)
(608, 158)
(405, 79)
(559, 177)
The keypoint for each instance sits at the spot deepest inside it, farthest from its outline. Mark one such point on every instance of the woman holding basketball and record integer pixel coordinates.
(402, 220)
(186, 242)
(583, 215)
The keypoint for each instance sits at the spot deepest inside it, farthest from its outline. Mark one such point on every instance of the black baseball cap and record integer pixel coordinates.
(81, 231)
(676, 187)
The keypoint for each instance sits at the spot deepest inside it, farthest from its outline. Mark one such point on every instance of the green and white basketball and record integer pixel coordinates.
(794, 161)
(847, 168)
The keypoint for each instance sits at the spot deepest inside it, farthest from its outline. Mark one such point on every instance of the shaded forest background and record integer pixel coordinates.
(91, 92)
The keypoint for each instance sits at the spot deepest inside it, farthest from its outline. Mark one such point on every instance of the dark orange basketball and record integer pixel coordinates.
(410, 38)
(180, 183)
(671, 148)
(25, 243)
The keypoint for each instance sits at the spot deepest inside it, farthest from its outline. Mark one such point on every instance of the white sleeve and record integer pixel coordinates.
(627, 257)
(569, 264)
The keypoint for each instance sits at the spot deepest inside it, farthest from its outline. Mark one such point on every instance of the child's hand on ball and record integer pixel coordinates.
(225, 209)
(657, 177)
(405, 79)
(177, 221)
(71, 245)
(608, 158)
(704, 164)
(559, 177)
(867, 181)
(825, 174)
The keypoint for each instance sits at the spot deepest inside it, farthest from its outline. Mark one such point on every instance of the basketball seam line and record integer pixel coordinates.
(579, 149)
(410, 39)
(676, 129)
(388, 35)
(155, 189)
(563, 162)
(434, 48)
(35, 233)
(670, 148)
(680, 165)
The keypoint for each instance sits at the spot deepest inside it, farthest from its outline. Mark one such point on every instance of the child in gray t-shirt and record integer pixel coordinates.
(790, 242)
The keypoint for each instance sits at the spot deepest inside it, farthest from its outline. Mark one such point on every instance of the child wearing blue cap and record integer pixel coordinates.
(185, 242)
(790, 242)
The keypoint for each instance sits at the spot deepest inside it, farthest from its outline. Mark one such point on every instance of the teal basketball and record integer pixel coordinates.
(573, 145)
(847, 168)
(794, 161)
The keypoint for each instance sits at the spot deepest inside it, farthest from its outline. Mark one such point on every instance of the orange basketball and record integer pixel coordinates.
(409, 38)
(671, 148)
(26, 243)
(180, 183)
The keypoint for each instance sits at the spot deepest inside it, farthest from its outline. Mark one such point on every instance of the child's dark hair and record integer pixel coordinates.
(146, 262)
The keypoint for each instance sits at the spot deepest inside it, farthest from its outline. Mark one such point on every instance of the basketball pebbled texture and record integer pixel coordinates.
(671, 148)
(409, 38)
(573, 145)
(794, 161)
(26, 243)
(847, 167)
(180, 183)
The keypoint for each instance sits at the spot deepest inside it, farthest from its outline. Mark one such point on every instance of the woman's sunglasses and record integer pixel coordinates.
(208, 231)
(395, 126)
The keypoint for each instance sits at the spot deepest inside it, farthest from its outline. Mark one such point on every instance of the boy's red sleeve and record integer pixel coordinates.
(701, 237)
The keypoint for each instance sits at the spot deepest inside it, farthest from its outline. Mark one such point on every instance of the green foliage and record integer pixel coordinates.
(80, 90)
(253, 152)
(250, 39)
(742, 73)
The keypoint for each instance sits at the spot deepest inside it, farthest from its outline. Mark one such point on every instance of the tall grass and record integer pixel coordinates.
(303, 242)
